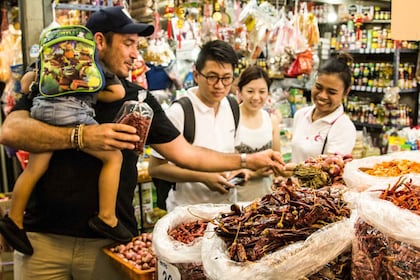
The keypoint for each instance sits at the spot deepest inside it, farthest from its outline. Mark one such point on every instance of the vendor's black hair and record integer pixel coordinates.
(217, 50)
(339, 64)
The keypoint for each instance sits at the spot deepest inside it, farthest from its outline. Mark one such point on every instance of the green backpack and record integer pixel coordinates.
(68, 62)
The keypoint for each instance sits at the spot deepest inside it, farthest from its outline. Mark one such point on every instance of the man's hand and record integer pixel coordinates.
(264, 159)
(217, 182)
(109, 136)
(262, 172)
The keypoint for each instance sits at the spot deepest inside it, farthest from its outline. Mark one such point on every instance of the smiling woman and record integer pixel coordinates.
(258, 130)
(324, 127)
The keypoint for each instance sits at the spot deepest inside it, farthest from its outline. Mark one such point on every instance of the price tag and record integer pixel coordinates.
(167, 271)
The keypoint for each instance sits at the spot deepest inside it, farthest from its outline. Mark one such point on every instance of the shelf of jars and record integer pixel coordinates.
(379, 116)
(84, 6)
(380, 89)
(381, 51)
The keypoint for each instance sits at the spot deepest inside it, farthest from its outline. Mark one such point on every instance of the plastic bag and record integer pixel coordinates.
(301, 65)
(387, 239)
(291, 262)
(173, 251)
(391, 95)
(359, 181)
(139, 115)
(390, 219)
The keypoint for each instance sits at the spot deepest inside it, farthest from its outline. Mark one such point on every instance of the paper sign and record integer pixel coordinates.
(405, 20)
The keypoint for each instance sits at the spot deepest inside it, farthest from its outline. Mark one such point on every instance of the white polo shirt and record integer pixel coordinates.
(216, 132)
(309, 137)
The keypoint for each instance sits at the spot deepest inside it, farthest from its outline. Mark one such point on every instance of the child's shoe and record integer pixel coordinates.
(15, 236)
(118, 233)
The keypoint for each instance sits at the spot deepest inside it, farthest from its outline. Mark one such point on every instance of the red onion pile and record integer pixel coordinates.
(138, 252)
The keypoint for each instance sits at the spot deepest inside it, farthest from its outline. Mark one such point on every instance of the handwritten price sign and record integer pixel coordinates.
(167, 271)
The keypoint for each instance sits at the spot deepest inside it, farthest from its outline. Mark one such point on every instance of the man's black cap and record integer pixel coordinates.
(117, 20)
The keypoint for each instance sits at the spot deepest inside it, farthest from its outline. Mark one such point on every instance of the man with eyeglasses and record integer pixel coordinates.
(214, 128)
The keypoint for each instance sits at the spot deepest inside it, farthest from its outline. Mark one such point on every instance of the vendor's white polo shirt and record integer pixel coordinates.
(308, 137)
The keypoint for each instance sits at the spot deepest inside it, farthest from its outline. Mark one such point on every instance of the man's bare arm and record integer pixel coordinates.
(21, 131)
(182, 153)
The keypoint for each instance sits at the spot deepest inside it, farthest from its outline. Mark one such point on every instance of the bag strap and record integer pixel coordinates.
(326, 137)
(235, 110)
(189, 117)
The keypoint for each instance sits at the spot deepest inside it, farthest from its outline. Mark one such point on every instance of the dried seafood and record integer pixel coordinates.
(289, 214)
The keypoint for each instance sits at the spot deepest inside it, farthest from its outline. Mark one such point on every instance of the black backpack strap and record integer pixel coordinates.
(235, 109)
(189, 118)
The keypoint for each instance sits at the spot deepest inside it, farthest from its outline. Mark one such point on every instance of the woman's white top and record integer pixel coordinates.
(251, 140)
(309, 137)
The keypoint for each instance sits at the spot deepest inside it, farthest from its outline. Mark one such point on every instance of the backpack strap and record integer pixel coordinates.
(235, 109)
(189, 118)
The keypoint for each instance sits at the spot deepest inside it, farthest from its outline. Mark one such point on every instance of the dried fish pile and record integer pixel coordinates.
(324, 170)
(289, 214)
(376, 255)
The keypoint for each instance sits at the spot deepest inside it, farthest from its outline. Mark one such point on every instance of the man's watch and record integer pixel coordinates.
(243, 160)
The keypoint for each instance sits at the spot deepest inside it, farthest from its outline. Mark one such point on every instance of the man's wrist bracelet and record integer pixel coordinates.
(76, 137)
(72, 138)
(243, 160)
(80, 143)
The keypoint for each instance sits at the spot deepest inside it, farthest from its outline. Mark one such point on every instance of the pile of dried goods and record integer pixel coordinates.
(376, 255)
(337, 269)
(188, 232)
(394, 168)
(324, 170)
(289, 214)
(142, 124)
(404, 195)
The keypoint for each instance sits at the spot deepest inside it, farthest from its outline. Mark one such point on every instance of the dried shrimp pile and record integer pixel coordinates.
(394, 168)
(289, 214)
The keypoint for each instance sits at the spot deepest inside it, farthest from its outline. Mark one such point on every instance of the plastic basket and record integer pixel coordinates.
(132, 272)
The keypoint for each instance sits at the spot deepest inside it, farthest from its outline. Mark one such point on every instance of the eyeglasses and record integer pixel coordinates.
(213, 79)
